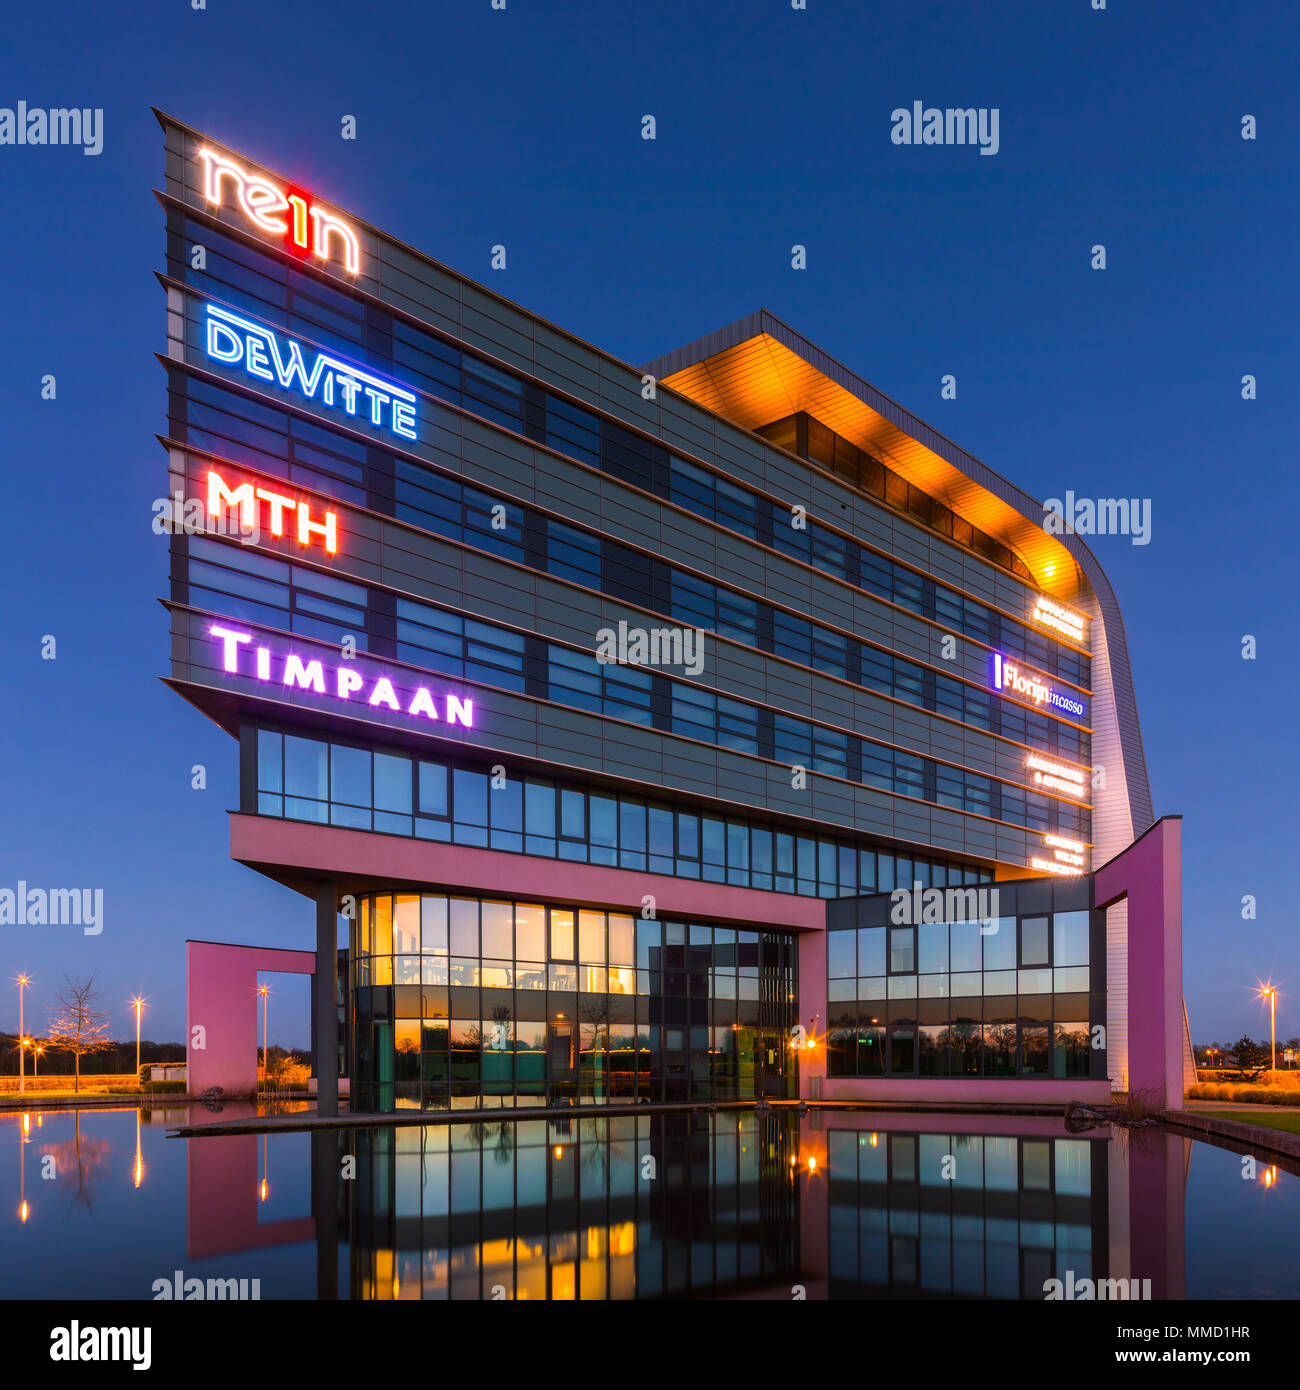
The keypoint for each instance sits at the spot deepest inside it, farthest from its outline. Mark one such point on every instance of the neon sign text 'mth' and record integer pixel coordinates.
(246, 496)
(305, 228)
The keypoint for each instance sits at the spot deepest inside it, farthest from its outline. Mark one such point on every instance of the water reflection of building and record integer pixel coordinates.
(990, 1207)
(629, 1207)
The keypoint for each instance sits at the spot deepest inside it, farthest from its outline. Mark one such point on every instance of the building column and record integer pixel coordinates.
(325, 1042)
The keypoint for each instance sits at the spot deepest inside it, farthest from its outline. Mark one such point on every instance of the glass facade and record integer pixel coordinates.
(308, 305)
(463, 1002)
(1015, 995)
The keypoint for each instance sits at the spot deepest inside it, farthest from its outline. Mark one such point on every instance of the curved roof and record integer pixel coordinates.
(759, 369)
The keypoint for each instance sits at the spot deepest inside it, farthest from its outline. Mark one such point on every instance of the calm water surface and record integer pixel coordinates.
(101, 1204)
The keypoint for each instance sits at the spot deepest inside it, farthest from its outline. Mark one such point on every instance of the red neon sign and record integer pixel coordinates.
(246, 496)
(307, 229)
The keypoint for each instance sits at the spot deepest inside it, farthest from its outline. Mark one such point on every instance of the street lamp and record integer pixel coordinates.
(137, 1004)
(23, 982)
(264, 991)
(1269, 992)
(36, 1058)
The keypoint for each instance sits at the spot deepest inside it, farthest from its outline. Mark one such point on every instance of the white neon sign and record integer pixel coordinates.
(342, 683)
(237, 341)
(246, 496)
(283, 212)
(1057, 776)
(1059, 618)
(1067, 857)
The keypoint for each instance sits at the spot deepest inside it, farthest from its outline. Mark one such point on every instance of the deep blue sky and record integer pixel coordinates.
(523, 127)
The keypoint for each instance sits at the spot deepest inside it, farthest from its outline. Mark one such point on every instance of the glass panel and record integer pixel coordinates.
(561, 935)
(530, 931)
(1070, 938)
(498, 922)
(591, 937)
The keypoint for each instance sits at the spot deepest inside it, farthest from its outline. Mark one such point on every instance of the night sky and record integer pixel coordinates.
(476, 126)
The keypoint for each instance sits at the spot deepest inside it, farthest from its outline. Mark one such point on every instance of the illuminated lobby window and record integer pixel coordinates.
(465, 1001)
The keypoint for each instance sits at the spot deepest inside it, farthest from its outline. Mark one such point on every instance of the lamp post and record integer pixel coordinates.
(264, 991)
(36, 1058)
(23, 982)
(137, 1004)
(1269, 992)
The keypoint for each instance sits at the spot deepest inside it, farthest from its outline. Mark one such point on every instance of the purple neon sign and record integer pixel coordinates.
(343, 682)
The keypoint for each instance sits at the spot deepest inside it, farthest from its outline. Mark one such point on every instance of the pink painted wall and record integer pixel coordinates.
(221, 997)
(1149, 875)
(955, 1090)
(812, 1001)
(221, 1200)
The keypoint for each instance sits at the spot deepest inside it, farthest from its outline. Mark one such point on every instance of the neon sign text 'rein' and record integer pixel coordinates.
(306, 228)
(246, 496)
(1025, 685)
(344, 682)
(261, 352)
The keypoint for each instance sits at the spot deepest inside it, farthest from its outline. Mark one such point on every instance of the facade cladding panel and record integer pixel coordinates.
(432, 671)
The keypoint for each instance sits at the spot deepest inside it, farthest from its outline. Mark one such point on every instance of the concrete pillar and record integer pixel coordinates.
(325, 1043)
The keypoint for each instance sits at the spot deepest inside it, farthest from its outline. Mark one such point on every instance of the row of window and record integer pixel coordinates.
(857, 1045)
(464, 514)
(286, 296)
(437, 1064)
(334, 783)
(1000, 943)
(807, 437)
(234, 580)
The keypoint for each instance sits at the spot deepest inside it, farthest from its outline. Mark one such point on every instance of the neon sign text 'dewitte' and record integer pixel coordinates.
(237, 341)
(344, 683)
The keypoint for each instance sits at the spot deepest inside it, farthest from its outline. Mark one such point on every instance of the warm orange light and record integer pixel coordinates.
(264, 1190)
(559, 1151)
(812, 1164)
(23, 1211)
(875, 1139)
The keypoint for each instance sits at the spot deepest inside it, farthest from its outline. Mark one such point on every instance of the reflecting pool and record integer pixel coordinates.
(101, 1203)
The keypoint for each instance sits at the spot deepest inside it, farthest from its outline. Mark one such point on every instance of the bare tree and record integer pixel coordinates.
(77, 1026)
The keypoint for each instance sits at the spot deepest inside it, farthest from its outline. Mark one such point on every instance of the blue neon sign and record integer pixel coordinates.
(261, 352)
(1010, 679)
